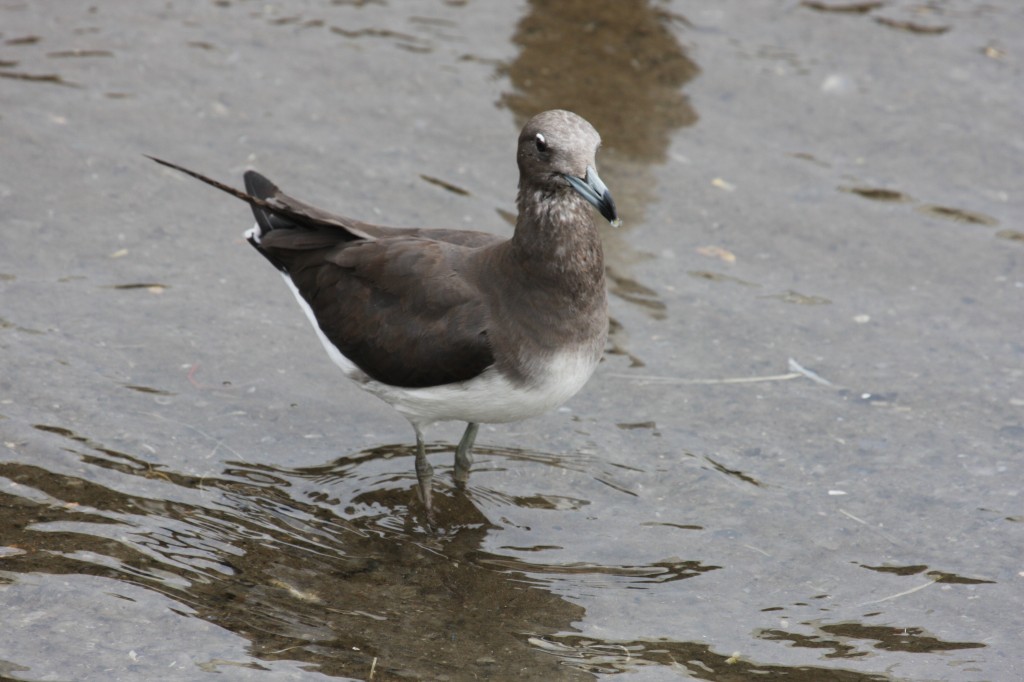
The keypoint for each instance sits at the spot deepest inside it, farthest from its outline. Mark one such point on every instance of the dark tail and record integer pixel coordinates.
(259, 187)
(303, 227)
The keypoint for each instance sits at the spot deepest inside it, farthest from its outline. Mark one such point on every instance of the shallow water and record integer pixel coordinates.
(188, 487)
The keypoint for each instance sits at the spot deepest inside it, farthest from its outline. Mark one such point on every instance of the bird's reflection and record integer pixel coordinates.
(324, 564)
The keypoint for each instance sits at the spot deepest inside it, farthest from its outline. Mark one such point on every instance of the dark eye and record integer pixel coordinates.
(542, 144)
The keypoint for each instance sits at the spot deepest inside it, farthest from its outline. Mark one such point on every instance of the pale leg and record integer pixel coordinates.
(464, 454)
(424, 472)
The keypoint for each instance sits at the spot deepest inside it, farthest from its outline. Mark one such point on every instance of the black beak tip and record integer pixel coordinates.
(608, 210)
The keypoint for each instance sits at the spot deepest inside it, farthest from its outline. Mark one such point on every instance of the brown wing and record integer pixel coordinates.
(393, 300)
(394, 307)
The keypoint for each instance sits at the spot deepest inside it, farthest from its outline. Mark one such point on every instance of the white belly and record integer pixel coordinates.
(491, 398)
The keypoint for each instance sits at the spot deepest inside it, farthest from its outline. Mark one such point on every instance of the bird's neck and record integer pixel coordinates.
(557, 240)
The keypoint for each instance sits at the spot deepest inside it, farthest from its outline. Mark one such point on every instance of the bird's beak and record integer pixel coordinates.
(593, 190)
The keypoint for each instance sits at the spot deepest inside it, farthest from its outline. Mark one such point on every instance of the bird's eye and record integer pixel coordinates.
(542, 144)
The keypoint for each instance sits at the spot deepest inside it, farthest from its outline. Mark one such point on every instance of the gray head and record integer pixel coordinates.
(557, 149)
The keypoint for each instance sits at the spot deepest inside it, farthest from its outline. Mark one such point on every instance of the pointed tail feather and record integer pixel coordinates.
(259, 188)
(273, 209)
(248, 198)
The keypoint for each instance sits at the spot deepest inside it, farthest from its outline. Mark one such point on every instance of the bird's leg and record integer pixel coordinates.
(464, 454)
(424, 472)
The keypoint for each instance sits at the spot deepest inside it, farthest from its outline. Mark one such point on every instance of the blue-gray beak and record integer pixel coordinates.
(593, 190)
